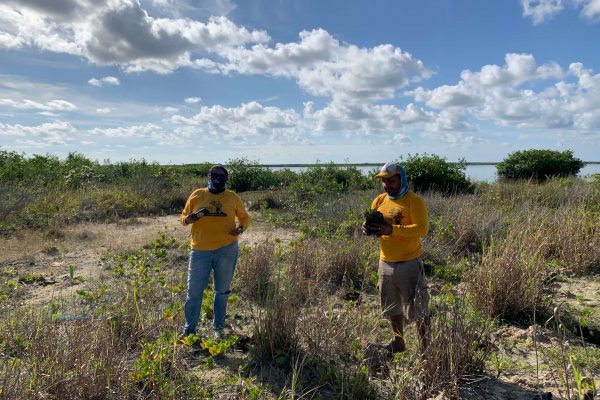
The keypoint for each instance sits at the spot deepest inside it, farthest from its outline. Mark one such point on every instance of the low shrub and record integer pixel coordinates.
(247, 175)
(37, 170)
(113, 204)
(329, 179)
(431, 172)
(538, 164)
(263, 200)
(461, 225)
(304, 260)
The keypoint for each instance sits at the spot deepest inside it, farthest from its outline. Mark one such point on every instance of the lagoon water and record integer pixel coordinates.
(487, 173)
(477, 173)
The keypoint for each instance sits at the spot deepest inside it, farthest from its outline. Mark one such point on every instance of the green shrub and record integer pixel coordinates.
(37, 170)
(141, 171)
(286, 176)
(113, 203)
(249, 175)
(432, 172)
(538, 164)
(330, 178)
(199, 170)
(78, 171)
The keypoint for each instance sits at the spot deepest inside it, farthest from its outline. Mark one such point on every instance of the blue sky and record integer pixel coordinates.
(182, 81)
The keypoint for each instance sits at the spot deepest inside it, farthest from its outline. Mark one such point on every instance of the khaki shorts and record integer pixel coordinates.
(403, 289)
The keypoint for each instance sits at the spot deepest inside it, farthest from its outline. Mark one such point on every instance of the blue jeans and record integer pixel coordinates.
(222, 261)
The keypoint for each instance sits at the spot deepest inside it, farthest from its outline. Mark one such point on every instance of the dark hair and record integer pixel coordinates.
(219, 166)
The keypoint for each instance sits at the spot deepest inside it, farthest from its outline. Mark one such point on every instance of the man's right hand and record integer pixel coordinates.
(370, 230)
(364, 229)
(195, 216)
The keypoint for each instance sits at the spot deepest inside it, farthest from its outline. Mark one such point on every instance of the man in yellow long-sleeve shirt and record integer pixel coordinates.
(402, 284)
(212, 212)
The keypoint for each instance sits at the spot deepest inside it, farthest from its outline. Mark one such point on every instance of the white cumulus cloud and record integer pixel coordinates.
(193, 100)
(107, 80)
(117, 32)
(148, 130)
(590, 8)
(363, 117)
(123, 33)
(541, 11)
(249, 119)
(51, 133)
(562, 99)
(325, 67)
(26, 104)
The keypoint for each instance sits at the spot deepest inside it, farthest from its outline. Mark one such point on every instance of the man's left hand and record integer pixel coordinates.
(237, 231)
(385, 229)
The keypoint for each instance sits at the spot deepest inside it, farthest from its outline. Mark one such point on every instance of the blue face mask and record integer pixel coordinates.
(403, 185)
(216, 184)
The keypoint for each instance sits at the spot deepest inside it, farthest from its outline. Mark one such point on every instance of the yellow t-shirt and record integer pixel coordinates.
(408, 216)
(211, 231)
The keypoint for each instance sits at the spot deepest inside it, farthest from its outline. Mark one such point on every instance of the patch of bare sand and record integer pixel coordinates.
(580, 296)
(83, 245)
(526, 353)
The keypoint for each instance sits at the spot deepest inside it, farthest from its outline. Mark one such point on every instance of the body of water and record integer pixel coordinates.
(480, 173)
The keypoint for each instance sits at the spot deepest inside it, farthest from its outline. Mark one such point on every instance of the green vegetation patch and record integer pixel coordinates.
(539, 164)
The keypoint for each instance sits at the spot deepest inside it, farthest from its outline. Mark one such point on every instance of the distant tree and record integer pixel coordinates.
(39, 170)
(538, 164)
(247, 175)
(78, 170)
(331, 178)
(431, 172)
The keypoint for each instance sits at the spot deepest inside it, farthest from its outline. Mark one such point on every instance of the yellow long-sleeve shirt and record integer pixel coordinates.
(212, 232)
(410, 222)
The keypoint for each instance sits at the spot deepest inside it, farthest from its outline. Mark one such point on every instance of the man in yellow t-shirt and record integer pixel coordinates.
(218, 217)
(402, 285)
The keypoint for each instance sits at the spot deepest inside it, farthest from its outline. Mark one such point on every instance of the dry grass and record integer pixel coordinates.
(254, 271)
(509, 278)
(68, 360)
(461, 225)
(339, 262)
(457, 350)
(332, 334)
(576, 235)
(275, 331)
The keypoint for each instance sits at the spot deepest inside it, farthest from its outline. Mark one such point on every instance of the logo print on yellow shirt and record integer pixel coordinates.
(216, 209)
(397, 217)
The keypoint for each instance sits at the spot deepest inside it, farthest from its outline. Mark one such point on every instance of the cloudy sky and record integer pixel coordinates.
(287, 81)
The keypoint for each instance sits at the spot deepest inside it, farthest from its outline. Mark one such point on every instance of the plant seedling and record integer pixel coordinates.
(71, 272)
(372, 220)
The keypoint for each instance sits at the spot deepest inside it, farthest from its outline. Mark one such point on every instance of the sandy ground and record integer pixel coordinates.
(48, 256)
